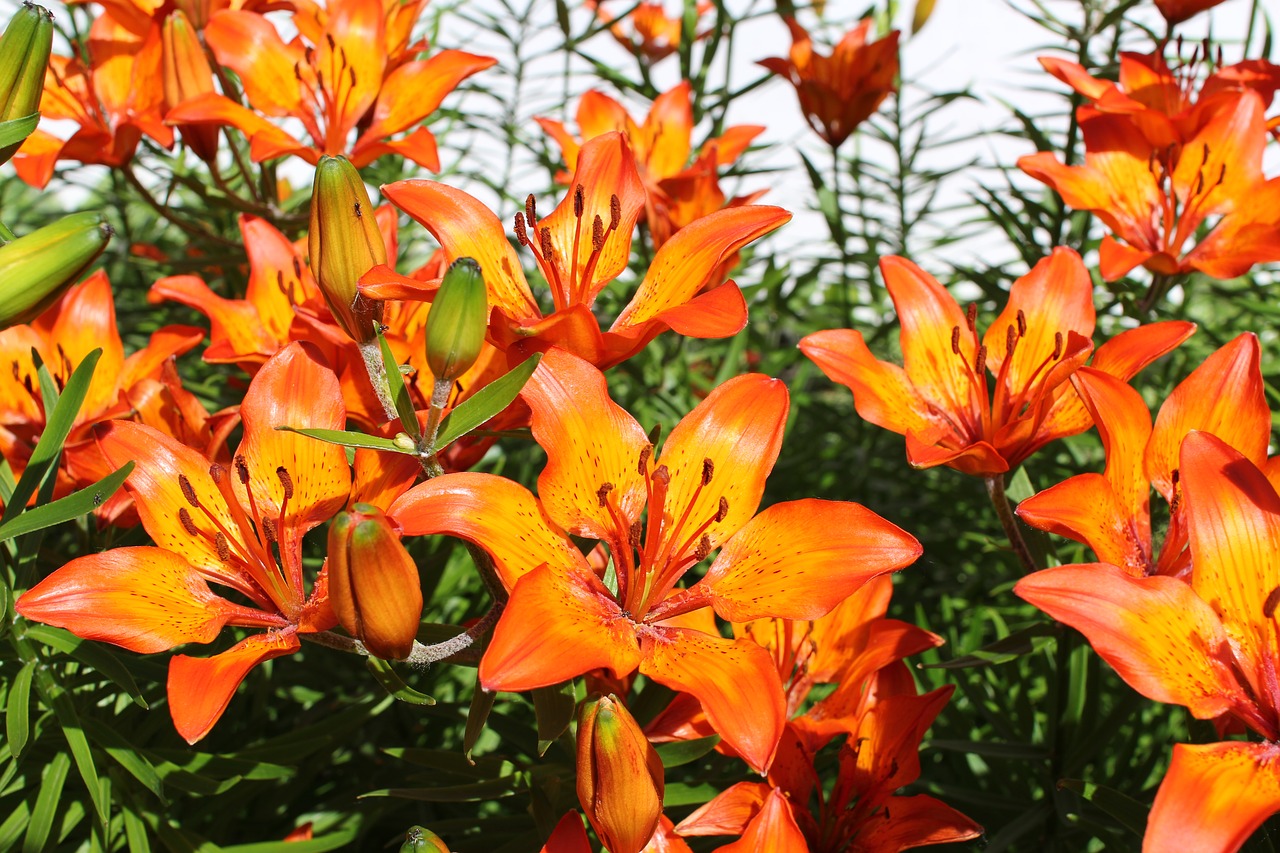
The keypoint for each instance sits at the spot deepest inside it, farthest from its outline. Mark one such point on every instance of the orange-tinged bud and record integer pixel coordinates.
(24, 55)
(457, 321)
(345, 244)
(421, 840)
(187, 74)
(620, 781)
(373, 582)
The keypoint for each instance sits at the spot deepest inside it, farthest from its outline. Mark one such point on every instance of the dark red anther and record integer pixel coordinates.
(1057, 346)
(955, 339)
(722, 511)
(521, 234)
(708, 469)
(188, 491)
(531, 209)
(242, 469)
(1022, 324)
(597, 234)
(971, 316)
(615, 212)
(286, 481)
(645, 453)
(187, 524)
(704, 548)
(224, 550)
(602, 494)
(579, 201)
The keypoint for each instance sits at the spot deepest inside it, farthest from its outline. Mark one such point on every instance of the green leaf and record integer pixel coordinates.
(685, 751)
(490, 789)
(126, 755)
(46, 807)
(553, 707)
(680, 794)
(486, 403)
(74, 505)
(348, 438)
(15, 130)
(17, 720)
(332, 841)
(394, 684)
(399, 393)
(57, 428)
(91, 654)
(477, 715)
(1014, 646)
(58, 699)
(1128, 811)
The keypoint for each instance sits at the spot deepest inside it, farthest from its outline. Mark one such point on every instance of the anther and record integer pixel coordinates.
(704, 548)
(1269, 606)
(615, 212)
(645, 453)
(1022, 324)
(224, 550)
(971, 316)
(242, 469)
(1010, 340)
(531, 209)
(602, 493)
(352, 71)
(521, 234)
(722, 511)
(980, 360)
(633, 534)
(662, 475)
(708, 469)
(329, 38)
(218, 473)
(286, 481)
(955, 339)
(297, 268)
(1057, 346)
(544, 243)
(270, 529)
(187, 524)
(597, 234)
(188, 491)
(579, 201)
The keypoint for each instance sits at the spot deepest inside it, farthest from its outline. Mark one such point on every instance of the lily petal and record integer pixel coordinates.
(249, 45)
(201, 688)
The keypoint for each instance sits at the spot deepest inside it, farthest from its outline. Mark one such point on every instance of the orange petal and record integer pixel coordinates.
(799, 559)
(465, 228)
(249, 45)
(201, 688)
(1161, 637)
(1116, 260)
(686, 264)
(599, 114)
(773, 829)
(1213, 797)
(83, 320)
(573, 329)
(1224, 396)
(143, 599)
(591, 443)
(569, 836)
(737, 429)
(499, 515)
(979, 459)
(882, 393)
(1055, 298)
(909, 822)
(1085, 508)
(165, 343)
(559, 623)
(278, 277)
(419, 146)
(1124, 425)
(735, 680)
(729, 812)
(664, 138)
(294, 388)
(665, 839)
(1233, 519)
(354, 43)
(1249, 234)
(236, 329)
(416, 89)
(717, 313)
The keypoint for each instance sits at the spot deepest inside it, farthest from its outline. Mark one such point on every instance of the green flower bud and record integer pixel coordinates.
(345, 244)
(35, 269)
(24, 56)
(457, 321)
(421, 840)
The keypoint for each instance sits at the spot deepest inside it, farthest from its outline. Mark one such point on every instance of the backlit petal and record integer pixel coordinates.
(416, 89)
(85, 320)
(248, 44)
(1213, 797)
(1085, 508)
(729, 812)
(559, 623)
(499, 515)
(201, 688)
(799, 559)
(569, 836)
(665, 135)
(909, 822)
(1161, 637)
(236, 333)
(773, 830)
(735, 680)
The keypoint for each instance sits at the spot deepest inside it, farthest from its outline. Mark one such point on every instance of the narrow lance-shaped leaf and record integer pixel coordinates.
(74, 505)
(399, 393)
(486, 403)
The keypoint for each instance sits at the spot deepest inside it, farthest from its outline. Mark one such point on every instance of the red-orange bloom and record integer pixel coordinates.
(677, 192)
(941, 400)
(580, 247)
(339, 83)
(794, 560)
(219, 525)
(1110, 512)
(841, 91)
(1155, 200)
(116, 99)
(1209, 644)
(1177, 11)
(648, 31)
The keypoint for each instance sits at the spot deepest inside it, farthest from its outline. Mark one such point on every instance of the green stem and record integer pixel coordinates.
(1009, 521)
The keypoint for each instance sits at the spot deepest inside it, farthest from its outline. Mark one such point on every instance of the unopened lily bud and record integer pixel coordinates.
(620, 781)
(37, 268)
(187, 74)
(457, 321)
(420, 840)
(24, 56)
(373, 582)
(345, 244)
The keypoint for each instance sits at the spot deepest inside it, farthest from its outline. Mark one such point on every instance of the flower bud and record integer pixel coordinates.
(24, 56)
(457, 320)
(186, 75)
(345, 244)
(620, 781)
(37, 268)
(421, 840)
(373, 582)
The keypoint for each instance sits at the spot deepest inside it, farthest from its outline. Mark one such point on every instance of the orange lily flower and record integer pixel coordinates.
(1110, 512)
(677, 193)
(841, 91)
(941, 401)
(333, 86)
(312, 19)
(143, 386)
(214, 525)
(653, 34)
(570, 836)
(116, 99)
(1158, 100)
(1209, 644)
(794, 560)
(1177, 11)
(580, 247)
(1155, 201)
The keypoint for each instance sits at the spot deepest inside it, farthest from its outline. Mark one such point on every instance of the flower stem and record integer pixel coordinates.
(457, 649)
(1009, 521)
(371, 352)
